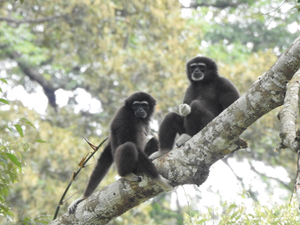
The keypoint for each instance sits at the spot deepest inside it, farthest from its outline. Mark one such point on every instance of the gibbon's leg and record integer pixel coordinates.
(199, 117)
(172, 124)
(103, 164)
(130, 159)
(151, 146)
(126, 159)
(146, 166)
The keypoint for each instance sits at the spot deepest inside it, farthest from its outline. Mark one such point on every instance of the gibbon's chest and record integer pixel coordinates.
(142, 134)
(203, 92)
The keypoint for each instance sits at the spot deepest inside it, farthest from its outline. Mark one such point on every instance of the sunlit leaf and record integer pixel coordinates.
(27, 122)
(4, 101)
(19, 129)
(81, 163)
(2, 79)
(25, 147)
(14, 159)
(40, 141)
(9, 128)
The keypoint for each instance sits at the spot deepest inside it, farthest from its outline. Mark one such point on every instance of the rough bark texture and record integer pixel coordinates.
(190, 164)
(288, 115)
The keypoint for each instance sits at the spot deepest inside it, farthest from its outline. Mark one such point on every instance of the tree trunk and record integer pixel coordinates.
(190, 164)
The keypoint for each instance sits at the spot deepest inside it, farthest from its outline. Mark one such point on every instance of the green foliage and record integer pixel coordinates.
(111, 49)
(11, 161)
(256, 214)
(37, 220)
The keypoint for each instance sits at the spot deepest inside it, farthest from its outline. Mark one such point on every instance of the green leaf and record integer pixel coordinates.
(40, 141)
(4, 101)
(1, 90)
(27, 122)
(14, 159)
(5, 191)
(8, 128)
(3, 159)
(25, 146)
(19, 129)
(2, 79)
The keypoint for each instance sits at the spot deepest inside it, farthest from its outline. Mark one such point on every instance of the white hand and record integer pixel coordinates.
(184, 109)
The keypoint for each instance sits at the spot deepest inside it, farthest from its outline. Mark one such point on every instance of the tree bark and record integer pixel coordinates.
(288, 115)
(190, 164)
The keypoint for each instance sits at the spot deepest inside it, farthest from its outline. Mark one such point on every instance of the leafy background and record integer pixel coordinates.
(67, 66)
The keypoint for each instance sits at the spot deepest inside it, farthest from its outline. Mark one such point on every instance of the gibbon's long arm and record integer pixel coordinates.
(103, 164)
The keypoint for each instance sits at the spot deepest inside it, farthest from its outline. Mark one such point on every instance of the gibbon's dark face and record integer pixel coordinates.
(140, 108)
(197, 70)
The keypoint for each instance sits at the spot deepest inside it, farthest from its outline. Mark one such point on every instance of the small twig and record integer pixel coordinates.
(41, 20)
(74, 174)
(73, 194)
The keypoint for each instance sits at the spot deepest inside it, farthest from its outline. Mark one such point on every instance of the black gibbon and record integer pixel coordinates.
(128, 146)
(206, 97)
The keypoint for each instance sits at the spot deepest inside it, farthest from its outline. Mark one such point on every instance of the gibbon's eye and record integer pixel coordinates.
(198, 66)
(202, 67)
(137, 105)
(145, 106)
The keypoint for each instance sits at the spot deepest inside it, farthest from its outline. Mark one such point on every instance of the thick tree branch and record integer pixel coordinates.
(288, 115)
(49, 89)
(190, 164)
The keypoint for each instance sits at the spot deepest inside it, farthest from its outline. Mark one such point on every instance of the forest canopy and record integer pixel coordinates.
(66, 67)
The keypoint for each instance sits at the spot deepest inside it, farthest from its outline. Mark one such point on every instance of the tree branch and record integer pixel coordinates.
(49, 89)
(220, 5)
(190, 164)
(288, 115)
(41, 20)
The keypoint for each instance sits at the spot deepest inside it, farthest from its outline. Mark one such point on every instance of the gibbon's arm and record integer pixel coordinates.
(228, 93)
(103, 164)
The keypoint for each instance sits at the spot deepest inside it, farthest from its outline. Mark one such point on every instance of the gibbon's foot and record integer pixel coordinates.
(157, 154)
(132, 177)
(164, 183)
(184, 109)
(182, 139)
(73, 206)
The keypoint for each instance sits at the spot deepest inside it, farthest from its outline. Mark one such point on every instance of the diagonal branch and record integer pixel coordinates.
(48, 87)
(190, 164)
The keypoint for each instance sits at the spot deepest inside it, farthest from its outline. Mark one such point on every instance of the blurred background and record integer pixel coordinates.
(67, 66)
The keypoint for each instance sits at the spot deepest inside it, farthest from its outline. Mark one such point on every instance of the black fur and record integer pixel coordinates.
(207, 98)
(127, 146)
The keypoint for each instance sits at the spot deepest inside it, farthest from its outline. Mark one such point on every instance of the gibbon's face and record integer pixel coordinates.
(197, 71)
(140, 109)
